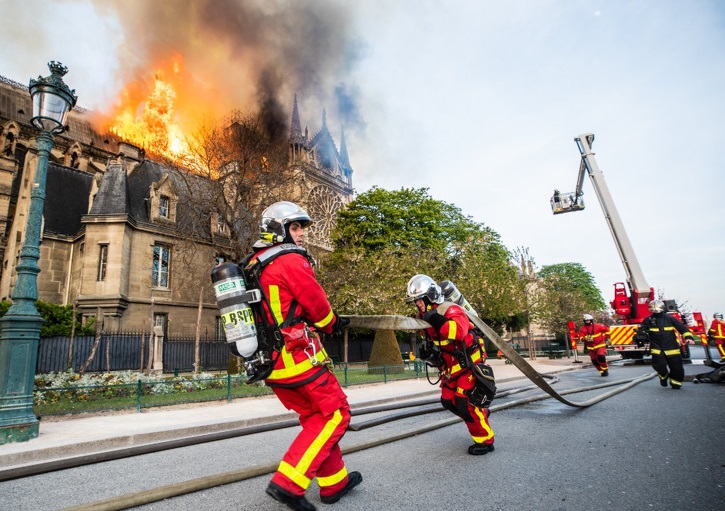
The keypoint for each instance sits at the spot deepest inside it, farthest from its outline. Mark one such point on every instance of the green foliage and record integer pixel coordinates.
(574, 277)
(383, 238)
(58, 319)
(407, 217)
(563, 293)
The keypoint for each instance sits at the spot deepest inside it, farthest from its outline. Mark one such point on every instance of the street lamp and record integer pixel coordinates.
(20, 327)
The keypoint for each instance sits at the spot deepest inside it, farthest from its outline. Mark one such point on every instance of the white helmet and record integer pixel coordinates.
(588, 317)
(277, 217)
(717, 315)
(656, 306)
(422, 286)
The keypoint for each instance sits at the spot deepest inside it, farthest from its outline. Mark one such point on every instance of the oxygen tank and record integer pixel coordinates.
(236, 315)
(452, 294)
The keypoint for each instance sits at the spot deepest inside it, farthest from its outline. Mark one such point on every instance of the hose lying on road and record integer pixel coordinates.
(178, 489)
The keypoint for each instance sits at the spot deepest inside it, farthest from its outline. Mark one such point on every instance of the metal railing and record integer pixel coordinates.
(181, 389)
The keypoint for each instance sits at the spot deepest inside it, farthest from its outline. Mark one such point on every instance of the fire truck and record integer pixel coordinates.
(630, 303)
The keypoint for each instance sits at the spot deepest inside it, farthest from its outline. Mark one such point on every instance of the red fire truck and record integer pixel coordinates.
(630, 303)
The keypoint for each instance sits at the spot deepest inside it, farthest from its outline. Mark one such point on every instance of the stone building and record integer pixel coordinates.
(120, 233)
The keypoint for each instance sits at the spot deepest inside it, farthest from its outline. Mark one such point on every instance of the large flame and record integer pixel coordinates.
(155, 114)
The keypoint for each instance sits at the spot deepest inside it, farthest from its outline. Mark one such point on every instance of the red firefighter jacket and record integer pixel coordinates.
(455, 340)
(595, 335)
(291, 277)
(717, 329)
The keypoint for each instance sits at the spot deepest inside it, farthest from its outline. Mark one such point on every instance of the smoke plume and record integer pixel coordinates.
(252, 55)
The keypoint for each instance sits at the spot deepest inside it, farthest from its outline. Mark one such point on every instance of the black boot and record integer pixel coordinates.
(353, 479)
(480, 449)
(296, 502)
(663, 383)
(605, 373)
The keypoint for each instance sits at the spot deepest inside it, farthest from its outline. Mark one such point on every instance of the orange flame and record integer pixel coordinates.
(148, 114)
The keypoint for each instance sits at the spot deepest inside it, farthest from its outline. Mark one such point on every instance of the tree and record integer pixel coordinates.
(405, 218)
(383, 238)
(57, 319)
(565, 291)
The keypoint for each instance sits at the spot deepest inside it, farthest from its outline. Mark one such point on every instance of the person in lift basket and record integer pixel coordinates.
(300, 377)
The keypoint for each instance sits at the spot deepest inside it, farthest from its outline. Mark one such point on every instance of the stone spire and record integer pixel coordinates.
(344, 158)
(295, 132)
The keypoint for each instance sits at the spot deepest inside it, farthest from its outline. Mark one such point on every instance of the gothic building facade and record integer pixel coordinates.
(116, 224)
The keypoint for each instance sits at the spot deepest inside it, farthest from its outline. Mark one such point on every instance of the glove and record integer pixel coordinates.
(436, 320)
(340, 323)
(425, 353)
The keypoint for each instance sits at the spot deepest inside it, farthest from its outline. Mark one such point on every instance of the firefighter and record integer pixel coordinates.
(595, 336)
(301, 378)
(450, 345)
(716, 334)
(661, 329)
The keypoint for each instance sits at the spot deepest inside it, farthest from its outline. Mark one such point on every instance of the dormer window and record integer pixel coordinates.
(163, 201)
(221, 225)
(164, 206)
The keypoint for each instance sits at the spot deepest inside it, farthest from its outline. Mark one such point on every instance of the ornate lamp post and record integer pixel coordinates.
(20, 327)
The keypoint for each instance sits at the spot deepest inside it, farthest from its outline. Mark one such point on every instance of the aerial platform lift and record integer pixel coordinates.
(630, 303)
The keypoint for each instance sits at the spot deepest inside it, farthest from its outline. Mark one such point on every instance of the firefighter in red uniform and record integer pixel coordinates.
(716, 334)
(301, 378)
(595, 336)
(661, 328)
(454, 351)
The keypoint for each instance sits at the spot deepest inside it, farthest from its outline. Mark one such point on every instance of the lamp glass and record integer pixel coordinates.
(49, 110)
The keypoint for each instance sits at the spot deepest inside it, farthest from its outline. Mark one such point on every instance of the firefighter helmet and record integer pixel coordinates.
(656, 306)
(717, 315)
(588, 317)
(422, 286)
(277, 218)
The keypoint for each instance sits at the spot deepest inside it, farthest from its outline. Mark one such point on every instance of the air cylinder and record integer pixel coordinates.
(236, 315)
(452, 294)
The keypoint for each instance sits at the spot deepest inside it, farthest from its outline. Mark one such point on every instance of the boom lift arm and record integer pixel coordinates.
(631, 309)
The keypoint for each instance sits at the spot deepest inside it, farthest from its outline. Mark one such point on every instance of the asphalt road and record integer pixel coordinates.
(648, 448)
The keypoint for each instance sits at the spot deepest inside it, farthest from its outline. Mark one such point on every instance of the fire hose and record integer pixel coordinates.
(373, 322)
(391, 322)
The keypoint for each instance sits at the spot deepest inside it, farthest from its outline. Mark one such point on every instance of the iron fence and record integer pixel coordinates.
(129, 351)
(70, 398)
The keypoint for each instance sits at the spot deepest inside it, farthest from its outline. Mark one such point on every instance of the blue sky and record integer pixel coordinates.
(480, 101)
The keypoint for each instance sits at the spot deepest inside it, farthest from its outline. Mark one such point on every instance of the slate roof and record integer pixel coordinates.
(66, 199)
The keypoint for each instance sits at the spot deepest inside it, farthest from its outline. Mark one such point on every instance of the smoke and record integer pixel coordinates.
(252, 55)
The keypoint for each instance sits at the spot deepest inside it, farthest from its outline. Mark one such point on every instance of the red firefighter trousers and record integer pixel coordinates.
(454, 398)
(598, 355)
(324, 417)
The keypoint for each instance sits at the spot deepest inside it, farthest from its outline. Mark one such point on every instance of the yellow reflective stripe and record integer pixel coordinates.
(291, 369)
(598, 346)
(669, 353)
(476, 356)
(669, 328)
(275, 304)
(655, 351)
(333, 479)
(484, 425)
(452, 329)
(455, 368)
(672, 380)
(325, 321)
(441, 342)
(294, 475)
(318, 443)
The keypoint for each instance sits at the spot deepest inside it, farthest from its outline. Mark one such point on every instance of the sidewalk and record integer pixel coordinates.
(63, 437)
